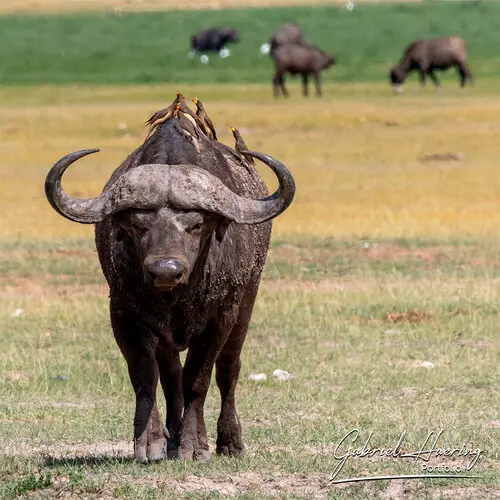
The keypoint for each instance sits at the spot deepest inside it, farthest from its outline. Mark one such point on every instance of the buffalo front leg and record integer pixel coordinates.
(276, 86)
(228, 364)
(464, 72)
(193, 442)
(422, 74)
(138, 346)
(196, 375)
(434, 78)
(170, 368)
(279, 83)
(283, 88)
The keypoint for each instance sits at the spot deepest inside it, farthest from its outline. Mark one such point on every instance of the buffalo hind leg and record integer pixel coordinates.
(170, 369)
(138, 347)
(317, 82)
(305, 84)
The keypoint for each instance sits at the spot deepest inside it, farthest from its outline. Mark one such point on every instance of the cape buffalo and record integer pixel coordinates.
(182, 231)
(212, 40)
(288, 34)
(299, 59)
(425, 56)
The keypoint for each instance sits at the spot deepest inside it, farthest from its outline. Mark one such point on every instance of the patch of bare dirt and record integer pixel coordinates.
(301, 255)
(394, 252)
(407, 317)
(315, 486)
(16, 376)
(442, 157)
(475, 492)
(474, 344)
(397, 489)
(325, 286)
(71, 451)
(41, 287)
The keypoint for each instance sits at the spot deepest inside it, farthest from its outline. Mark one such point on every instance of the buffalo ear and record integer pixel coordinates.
(221, 228)
(122, 218)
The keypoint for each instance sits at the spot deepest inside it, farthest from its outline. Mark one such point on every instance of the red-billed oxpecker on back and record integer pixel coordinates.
(182, 233)
(426, 56)
(207, 124)
(241, 148)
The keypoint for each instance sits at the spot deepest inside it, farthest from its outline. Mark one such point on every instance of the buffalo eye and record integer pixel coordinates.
(195, 228)
(139, 228)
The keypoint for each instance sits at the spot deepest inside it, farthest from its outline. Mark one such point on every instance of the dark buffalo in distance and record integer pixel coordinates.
(426, 56)
(288, 34)
(213, 39)
(299, 60)
(182, 231)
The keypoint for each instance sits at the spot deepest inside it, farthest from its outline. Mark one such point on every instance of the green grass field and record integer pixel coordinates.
(152, 46)
(386, 259)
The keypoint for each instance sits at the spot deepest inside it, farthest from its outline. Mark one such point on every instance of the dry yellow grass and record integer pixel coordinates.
(355, 154)
(9, 6)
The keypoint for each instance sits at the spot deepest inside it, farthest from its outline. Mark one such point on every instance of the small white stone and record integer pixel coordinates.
(281, 374)
(17, 313)
(204, 59)
(257, 377)
(427, 364)
(392, 331)
(265, 48)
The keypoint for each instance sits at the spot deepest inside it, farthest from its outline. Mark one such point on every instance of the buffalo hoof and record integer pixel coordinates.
(229, 442)
(157, 450)
(193, 453)
(151, 451)
(231, 450)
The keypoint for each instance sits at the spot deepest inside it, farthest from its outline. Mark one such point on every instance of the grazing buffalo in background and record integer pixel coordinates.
(425, 56)
(214, 39)
(182, 231)
(299, 59)
(288, 34)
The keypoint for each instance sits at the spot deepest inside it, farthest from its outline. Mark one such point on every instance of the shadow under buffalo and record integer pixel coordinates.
(89, 460)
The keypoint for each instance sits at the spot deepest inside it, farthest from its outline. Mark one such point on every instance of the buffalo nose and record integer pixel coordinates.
(167, 272)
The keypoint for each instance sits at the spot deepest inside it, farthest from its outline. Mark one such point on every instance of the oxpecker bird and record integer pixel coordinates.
(240, 146)
(205, 119)
(164, 114)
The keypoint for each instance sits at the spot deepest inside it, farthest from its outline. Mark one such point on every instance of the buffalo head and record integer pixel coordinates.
(229, 35)
(168, 213)
(397, 76)
(329, 60)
